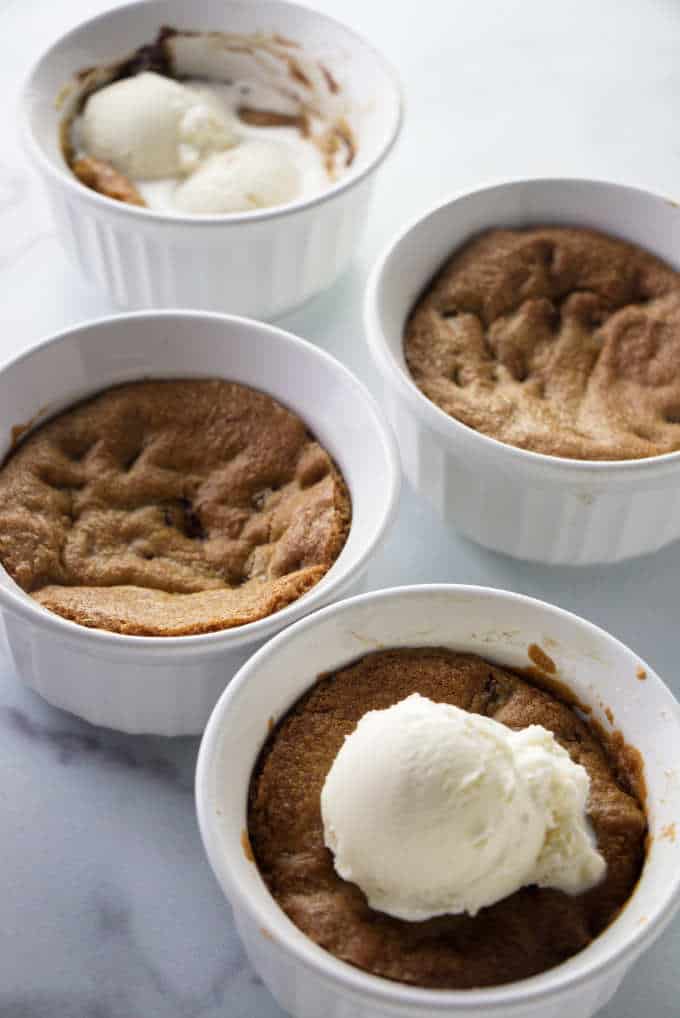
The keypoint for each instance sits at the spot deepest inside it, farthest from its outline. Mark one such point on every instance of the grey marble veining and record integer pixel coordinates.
(108, 908)
(95, 747)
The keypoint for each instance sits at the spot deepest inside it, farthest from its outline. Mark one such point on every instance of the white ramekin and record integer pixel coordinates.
(169, 685)
(525, 504)
(258, 263)
(306, 980)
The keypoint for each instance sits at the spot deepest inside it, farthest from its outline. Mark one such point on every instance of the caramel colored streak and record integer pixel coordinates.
(101, 177)
(541, 659)
(271, 118)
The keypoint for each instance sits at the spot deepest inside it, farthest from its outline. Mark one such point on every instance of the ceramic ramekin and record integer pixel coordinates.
(169, 685)
(522, 503)
(306, 980)
(258, 263)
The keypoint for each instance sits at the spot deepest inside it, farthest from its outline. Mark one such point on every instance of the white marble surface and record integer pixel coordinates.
(108, 908)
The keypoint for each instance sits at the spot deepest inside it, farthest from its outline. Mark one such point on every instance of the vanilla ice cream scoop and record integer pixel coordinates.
(254, 175)
(149, 126)
(431, 809)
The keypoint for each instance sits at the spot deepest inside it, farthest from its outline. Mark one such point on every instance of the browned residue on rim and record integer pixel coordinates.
(669, 832)
(104, 179)
(609, 715)
(18, 431)
(627, 760)
(554, 686)
(641, 674)
(285, 41)
(272, 118)
(297, 74)
(330, 80)
(339, 136)
(85, 72)
(346, 135)
(65, 140)
(541, 659)
(246, 846)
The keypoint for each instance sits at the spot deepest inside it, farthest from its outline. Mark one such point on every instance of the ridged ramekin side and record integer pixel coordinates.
(531, 514)
(258, 269)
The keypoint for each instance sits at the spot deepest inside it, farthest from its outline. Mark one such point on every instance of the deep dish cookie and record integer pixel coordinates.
(519, 936)
(171, 508)
(560, 340)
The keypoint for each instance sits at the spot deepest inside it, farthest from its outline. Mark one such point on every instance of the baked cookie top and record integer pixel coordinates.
(526, 933)
(171, 508)
(560, 340)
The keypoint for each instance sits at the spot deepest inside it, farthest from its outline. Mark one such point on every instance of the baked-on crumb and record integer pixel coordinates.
(560, 340)
(101, 177)
(171, 508)
(526, 933)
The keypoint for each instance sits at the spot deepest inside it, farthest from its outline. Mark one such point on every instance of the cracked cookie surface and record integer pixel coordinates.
(171, 508)
(524, 934)
(559, 340)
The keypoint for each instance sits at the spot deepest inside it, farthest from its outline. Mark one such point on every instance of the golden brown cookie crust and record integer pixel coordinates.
(522, 935)
(171, 508)
(559, 340)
